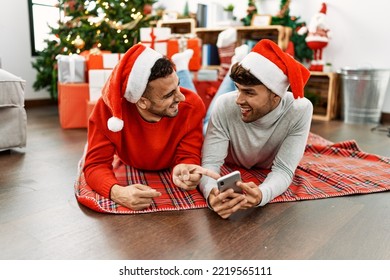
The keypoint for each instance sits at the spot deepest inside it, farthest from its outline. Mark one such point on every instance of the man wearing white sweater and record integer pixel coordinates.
(260, 125)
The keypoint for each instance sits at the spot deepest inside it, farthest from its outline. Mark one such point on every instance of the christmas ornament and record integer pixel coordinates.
(147, 9)
(79, 43)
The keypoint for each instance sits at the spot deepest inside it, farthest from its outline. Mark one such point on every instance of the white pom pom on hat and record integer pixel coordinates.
(114, 124)
(128, 80)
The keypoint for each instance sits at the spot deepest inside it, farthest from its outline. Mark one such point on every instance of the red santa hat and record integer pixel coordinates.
(276, 69)
(323, 8)
(128, 80)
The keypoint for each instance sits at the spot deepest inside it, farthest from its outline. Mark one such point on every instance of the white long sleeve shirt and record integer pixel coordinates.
(276, 141)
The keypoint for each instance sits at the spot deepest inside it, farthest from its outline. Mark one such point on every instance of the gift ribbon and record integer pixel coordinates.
(72, 64)
(72, 67)
(153, 37)
(153, 41)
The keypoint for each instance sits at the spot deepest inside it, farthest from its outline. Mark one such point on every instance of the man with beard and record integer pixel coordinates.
(259, 125)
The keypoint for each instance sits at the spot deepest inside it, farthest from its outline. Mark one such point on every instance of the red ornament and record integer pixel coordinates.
(70, 5)
(147, 9)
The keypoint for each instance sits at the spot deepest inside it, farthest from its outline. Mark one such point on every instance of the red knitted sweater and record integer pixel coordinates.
(140, 144)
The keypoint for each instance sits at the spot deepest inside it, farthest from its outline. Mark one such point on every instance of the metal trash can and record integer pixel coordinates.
(363, 93)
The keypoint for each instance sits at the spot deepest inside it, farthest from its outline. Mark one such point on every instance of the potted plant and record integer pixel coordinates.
(229, 11)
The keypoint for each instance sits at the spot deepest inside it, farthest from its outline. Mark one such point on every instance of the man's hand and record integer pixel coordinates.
(187, 176)
(136, 197)
(226, 203)
(252, 192)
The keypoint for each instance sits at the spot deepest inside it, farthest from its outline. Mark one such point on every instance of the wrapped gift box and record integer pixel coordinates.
(97, 79)
(156, 38)
(94, 59)
(71, 68)
(72, 105)
(176, 45)
(110, 60)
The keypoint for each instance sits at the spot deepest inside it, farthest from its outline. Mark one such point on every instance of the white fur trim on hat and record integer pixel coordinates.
(267, 72)
(115, 124)
(139, 74)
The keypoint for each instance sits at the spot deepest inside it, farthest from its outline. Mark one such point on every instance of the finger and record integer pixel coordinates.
(184, 185)
(152, 194)
(224, 202)
(142, 187)
(178, 182)
(229, 193)
(192, 178)
(229, 211)
(185, 174)
(246, 206)
(248, 188)
(215, 191)
(140, 206)
(147, 192)
(207, 172)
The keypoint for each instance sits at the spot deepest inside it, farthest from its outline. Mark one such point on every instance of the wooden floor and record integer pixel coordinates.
(41, 219)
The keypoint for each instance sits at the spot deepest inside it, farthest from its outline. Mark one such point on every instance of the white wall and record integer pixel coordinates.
(361, 34)
(15, 50)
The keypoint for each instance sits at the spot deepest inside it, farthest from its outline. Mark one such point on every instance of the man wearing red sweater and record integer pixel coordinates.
(149, 122)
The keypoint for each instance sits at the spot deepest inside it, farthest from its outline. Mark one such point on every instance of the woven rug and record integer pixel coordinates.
(326, 170)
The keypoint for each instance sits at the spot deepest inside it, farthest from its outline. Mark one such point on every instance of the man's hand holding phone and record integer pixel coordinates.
(228, 197)
(233, 194)
(253, 194)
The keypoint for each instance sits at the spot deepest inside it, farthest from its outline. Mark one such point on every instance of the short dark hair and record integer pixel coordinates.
(163, 67)
(242, 76)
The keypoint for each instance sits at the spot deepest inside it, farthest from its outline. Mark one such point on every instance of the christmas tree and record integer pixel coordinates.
(301, 50)
(111, 25)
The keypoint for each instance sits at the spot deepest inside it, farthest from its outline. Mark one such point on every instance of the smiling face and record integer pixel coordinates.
(161, 99)
(255, 101)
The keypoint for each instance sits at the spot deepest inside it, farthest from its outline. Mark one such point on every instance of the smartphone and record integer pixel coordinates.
(229, 182)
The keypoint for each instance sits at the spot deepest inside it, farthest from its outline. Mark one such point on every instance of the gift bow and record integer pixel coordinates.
(72, 63)
(153, 39)
(182, 40)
